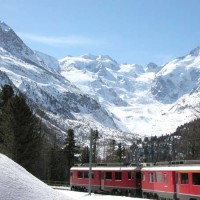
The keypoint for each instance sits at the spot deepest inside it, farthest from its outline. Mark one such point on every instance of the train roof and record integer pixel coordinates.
(149, 168)
(172, 168)
(180, 165)
(102, 168)
(106, 166)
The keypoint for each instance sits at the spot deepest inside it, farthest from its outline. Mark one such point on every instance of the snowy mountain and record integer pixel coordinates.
(10, 42)
(152, 67)
(145, 99)
(90, 91)
(58, 101)
(177, 78)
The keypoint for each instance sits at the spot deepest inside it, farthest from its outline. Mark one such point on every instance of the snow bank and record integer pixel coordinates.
(18, 184)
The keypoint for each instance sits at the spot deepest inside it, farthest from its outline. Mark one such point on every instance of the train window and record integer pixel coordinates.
(86, 174)
(130, 175)
(151, 177)
(71, 173)
(108, 175)
(184, 178)
(165, 178)
(143, 176)
(196, 178)
(158, 177)
(92, 175)
(118, 176)
(80, 174)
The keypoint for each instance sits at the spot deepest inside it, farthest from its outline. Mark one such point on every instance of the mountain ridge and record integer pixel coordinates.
(97, 92)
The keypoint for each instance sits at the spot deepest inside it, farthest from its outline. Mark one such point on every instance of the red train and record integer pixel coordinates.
(164, 181)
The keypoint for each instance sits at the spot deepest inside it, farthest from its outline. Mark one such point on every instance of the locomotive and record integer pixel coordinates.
(178, 180)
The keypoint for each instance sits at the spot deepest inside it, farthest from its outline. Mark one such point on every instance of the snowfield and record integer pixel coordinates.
(18, 184)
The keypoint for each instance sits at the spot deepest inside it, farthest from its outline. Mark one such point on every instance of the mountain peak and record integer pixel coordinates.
(13, 44)
(4, 27)
(195, 51)
(88, 56)
(151, 67)
(106, 58)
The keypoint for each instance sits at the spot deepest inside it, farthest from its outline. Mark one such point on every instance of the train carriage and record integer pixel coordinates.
(107, 179)
(158, 182)
(188, 182)
(171, 182)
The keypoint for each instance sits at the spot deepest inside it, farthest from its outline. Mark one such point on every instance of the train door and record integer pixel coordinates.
(176, 185)
(71, 177)
(102, 180)
(138, 184)
(138, 179)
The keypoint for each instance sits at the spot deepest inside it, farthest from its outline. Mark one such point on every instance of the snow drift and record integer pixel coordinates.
(18, 184)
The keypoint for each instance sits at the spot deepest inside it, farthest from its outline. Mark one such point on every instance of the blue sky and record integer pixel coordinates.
(130, 31)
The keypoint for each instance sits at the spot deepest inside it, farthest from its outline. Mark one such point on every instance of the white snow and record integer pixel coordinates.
(86, 196)
(126, 95)
(49, 62)
(18, 184)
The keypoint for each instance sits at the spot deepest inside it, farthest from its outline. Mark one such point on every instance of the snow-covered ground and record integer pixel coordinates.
(18, 184)
(86, 196)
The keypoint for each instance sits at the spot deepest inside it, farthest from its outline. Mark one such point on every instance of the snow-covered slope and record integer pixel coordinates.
(178, 77)
(13, 44)
(60, 102)
(143, 98)
(90, 91)
(18, 184)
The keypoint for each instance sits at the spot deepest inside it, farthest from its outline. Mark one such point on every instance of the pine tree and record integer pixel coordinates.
(57, 164)
(111, 151)
(6, 94)
(95, 137)
(84, 158)
(20, 130)
(70, 150)
(120, 152)
(6, 136)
